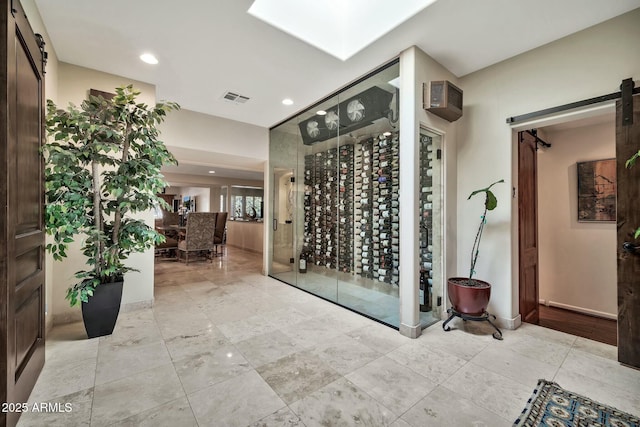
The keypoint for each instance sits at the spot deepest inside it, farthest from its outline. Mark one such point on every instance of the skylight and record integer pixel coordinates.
(341, 28)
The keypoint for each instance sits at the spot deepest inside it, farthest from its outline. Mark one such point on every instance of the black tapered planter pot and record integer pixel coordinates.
(101, 311)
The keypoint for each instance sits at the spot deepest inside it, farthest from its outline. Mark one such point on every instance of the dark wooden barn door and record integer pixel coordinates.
(22, 295)
(628, 211)
(528, 227)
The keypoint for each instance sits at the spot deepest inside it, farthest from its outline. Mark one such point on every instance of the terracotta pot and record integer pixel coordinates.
(471, 300)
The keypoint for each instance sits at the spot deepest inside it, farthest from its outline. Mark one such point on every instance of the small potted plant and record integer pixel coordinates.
(102, 165)
(469, 297)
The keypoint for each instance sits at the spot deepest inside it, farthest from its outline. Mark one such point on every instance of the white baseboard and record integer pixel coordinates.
(410, 331)
(583, 310)
(506, 323)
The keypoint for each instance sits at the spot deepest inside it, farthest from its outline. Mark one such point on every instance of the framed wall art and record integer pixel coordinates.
(597, 190)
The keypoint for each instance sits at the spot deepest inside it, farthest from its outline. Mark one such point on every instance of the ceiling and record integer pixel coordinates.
(200, 170)
(207, 48)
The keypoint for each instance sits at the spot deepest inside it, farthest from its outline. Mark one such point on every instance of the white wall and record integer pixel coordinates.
(73, 85)
(202, 195)
(190, 130)
(590, 63)
(577, 261)
(214, 202)
(208, 196)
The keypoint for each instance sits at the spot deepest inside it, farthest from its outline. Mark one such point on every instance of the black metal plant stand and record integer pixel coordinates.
(484, 317)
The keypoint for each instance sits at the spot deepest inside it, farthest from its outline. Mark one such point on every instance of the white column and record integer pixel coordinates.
(408, 195)
(267, 217)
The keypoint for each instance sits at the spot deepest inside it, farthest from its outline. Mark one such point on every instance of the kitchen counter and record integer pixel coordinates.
(245, 234)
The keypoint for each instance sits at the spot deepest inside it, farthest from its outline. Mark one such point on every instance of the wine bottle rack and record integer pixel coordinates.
(345, 208)
(364, 202)
(351, 208)
(308, 242)
(427, 153)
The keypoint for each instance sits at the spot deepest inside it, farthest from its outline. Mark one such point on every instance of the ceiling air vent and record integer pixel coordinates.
(235, 98)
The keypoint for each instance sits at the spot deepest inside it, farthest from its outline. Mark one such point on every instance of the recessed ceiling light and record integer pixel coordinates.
(212, 171)
(149, 58)
(321, 112)
(386, 133)
(287, 101)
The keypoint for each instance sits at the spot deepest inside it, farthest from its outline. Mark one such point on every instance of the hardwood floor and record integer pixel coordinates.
(582, 325)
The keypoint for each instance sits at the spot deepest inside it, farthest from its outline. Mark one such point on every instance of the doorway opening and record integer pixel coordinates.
(567, 263)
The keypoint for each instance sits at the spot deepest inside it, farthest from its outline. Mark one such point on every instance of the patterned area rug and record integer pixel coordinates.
(551, 405)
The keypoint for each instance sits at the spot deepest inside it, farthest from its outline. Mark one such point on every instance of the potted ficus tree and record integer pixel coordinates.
(469, 296)
(103, 165)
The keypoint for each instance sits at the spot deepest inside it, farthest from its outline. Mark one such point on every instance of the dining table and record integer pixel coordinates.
(179, 229)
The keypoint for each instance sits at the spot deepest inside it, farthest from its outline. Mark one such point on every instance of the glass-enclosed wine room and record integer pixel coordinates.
(335, 209)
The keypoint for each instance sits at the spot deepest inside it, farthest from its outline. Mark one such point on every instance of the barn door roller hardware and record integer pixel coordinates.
(534, 133)
(627, 91)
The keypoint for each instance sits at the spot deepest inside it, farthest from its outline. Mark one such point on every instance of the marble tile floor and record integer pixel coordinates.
(226, 346)
(363, 298)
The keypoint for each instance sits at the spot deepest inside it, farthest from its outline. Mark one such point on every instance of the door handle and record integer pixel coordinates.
(631, 248)
(275, 224)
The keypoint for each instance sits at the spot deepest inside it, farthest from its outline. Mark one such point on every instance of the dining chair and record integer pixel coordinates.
(170, 218)
(168, 248)
(199, 234)
(220, 235)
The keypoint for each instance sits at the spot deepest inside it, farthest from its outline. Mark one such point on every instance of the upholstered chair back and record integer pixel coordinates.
(200, 231)
(221, 223)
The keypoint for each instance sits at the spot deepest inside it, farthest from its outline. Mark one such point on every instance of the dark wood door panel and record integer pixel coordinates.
(27, 325)
(27, 264)
(22, 289)
(24, 34)
(628, 219)
(29, 130)
(528, 227)
(530, 305)
(26, 241)
(25, 289)
(527, 194)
